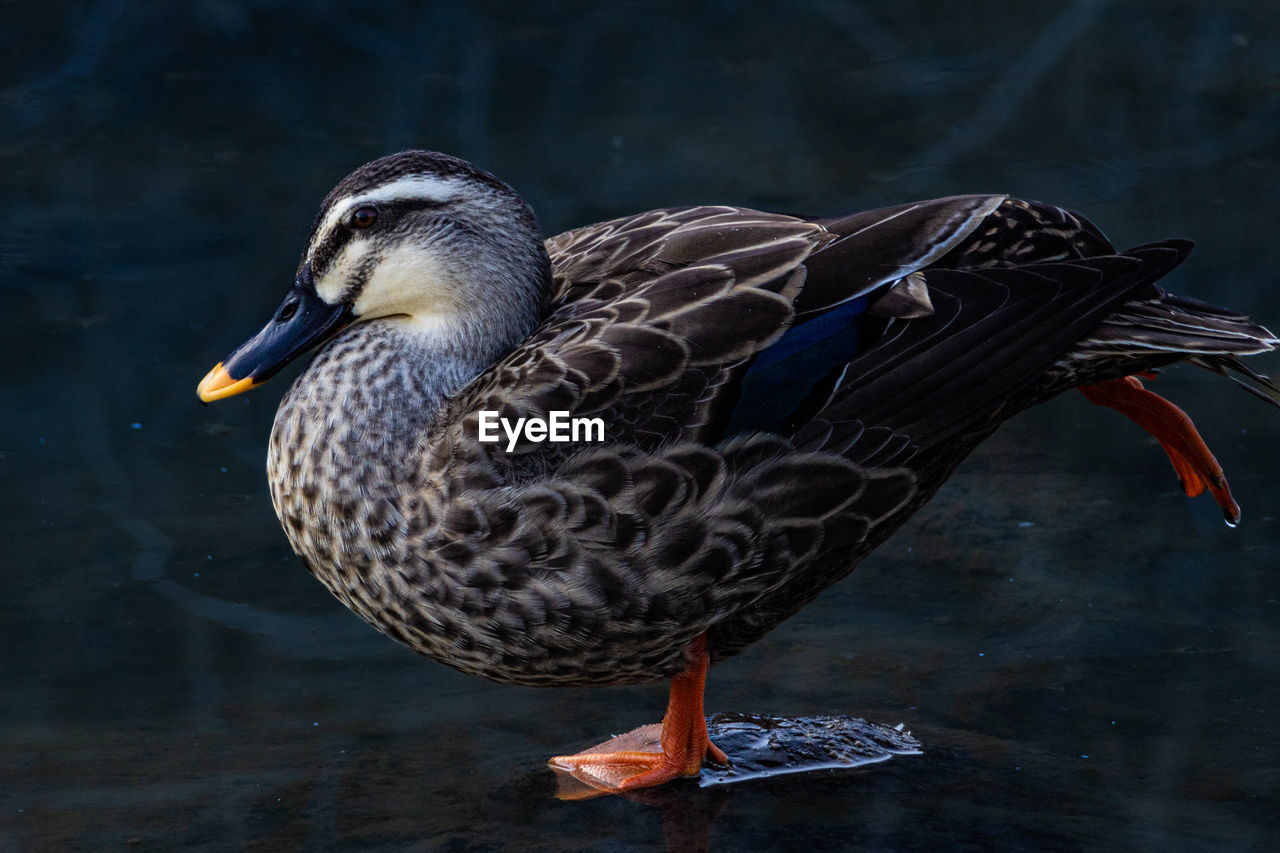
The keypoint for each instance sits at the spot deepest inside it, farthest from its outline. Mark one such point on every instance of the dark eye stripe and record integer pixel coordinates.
(388, 211)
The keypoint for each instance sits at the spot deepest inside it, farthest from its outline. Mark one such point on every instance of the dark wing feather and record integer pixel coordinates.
(871, 269)
(994, 332)
(656, 318)
(878, 247)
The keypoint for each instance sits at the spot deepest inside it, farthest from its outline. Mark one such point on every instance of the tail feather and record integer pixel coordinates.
(1160, 328)
(1175, 324)
(1231, 367)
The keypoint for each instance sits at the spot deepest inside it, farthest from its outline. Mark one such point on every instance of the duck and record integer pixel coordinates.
(772, 396)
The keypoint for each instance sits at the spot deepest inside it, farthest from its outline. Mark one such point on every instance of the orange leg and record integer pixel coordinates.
(624, 763)
(1196, 468)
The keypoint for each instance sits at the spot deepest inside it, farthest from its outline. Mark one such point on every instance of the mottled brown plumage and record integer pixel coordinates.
(703, 511)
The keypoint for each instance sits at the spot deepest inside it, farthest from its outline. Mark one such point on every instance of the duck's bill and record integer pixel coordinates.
(302, 321)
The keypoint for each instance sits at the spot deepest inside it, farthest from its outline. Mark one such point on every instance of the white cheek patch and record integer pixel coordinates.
(409, 280)
(425, 188)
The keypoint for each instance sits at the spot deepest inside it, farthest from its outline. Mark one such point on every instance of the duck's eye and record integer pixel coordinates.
(364, 217)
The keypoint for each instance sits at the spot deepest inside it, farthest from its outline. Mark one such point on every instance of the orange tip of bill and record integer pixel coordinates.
(219, 384)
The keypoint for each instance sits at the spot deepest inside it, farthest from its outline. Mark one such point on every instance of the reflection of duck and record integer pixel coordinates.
(779, 395)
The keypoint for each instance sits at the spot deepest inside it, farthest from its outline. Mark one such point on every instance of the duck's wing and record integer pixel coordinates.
(991, 333)
(707, 322)
(657, 320)
(941, 307)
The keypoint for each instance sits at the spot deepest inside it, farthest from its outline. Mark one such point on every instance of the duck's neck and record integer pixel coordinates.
(359, 414)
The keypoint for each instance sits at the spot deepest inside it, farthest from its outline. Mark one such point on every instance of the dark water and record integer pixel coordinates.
(1091, 660)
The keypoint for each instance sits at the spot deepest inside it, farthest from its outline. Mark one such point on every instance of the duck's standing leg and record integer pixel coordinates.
(623, 763)
(685, 742)
(1195, 465)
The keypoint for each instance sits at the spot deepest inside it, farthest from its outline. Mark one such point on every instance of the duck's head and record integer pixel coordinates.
(446, 252)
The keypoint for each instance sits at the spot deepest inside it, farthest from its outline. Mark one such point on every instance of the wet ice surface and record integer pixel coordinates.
(758, 747)
(764, 747)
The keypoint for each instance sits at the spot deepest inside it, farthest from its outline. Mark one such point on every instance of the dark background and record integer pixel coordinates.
(1092, 660)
